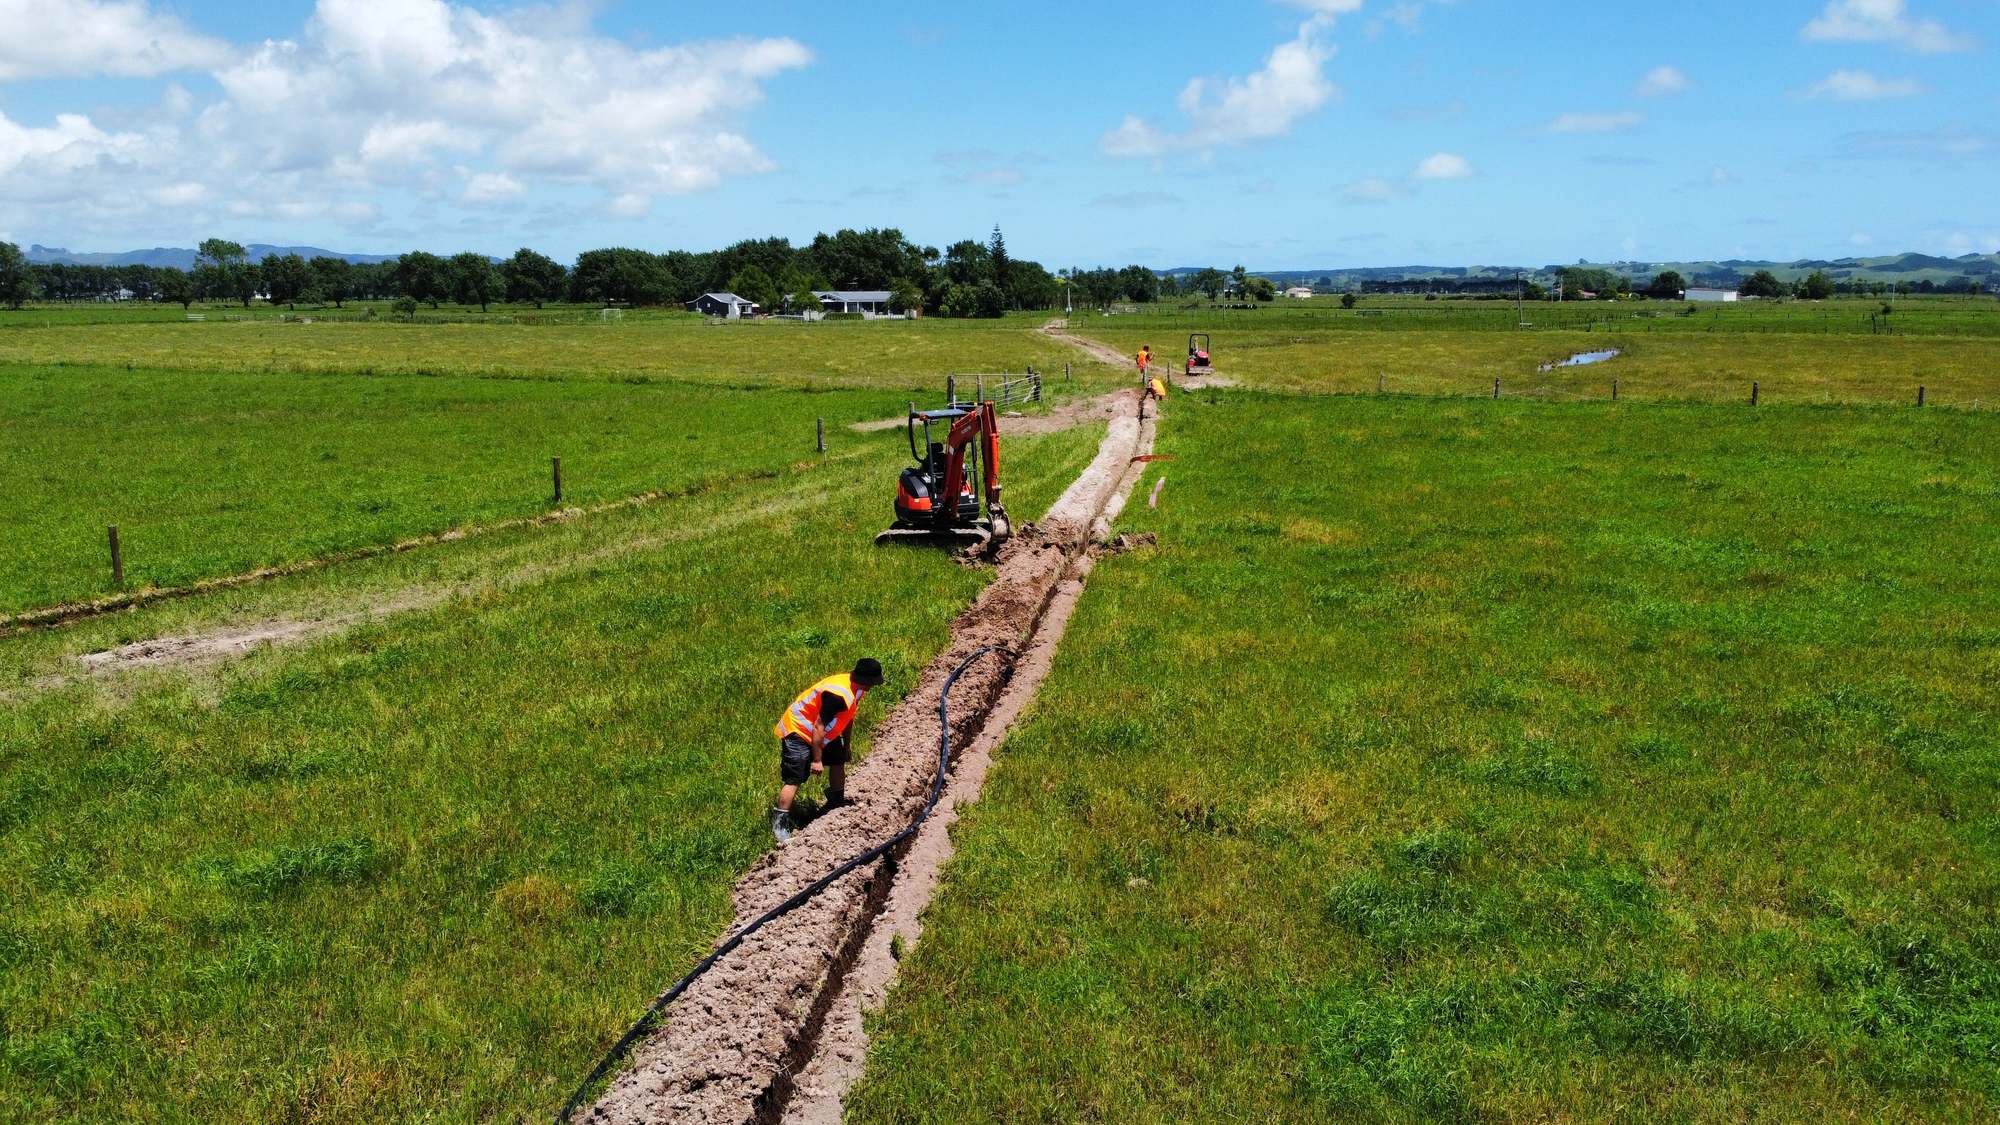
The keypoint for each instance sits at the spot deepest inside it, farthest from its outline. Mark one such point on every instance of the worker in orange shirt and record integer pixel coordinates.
(1145, 360)
(812, 738)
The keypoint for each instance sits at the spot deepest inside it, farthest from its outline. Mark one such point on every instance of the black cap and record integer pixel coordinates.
(868, 671)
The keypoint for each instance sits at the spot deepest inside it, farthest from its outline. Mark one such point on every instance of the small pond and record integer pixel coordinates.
(1581, 359)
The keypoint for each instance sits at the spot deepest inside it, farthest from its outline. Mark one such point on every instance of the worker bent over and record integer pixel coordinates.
(812, 737)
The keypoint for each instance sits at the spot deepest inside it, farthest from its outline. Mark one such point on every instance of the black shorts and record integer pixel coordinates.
(795, 757)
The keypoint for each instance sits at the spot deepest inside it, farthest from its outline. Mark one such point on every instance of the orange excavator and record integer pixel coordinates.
(936, 499)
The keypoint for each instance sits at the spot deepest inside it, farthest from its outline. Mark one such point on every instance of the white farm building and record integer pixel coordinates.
(1712, 294)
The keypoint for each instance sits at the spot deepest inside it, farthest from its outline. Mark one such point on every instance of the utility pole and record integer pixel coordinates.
(1519, 318)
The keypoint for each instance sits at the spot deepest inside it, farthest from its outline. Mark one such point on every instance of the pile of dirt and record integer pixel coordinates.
(729, 1047)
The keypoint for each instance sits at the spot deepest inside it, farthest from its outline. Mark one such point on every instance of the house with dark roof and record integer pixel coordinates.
(727, 305)
(870, 303)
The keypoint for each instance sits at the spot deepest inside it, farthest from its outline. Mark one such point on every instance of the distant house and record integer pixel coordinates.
(1299, 291)
(869, 303)
(1712, 294)
(724, 305)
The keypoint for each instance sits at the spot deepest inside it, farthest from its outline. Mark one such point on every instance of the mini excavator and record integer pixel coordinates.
(936, 501)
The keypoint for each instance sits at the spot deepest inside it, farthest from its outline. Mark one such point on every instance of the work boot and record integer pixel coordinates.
(834, 799)
(781, 825)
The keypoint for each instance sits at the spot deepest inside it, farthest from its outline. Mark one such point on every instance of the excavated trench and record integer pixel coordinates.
(773, 1031)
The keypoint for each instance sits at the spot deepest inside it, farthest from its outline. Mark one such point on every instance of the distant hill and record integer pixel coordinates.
(1890, 268)
(183, 258)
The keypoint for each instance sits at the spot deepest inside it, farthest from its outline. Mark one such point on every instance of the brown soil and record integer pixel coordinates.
(737, 1044)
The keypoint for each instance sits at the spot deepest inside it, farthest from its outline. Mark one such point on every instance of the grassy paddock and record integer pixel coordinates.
(1455, 761)
(1912, 315)
(429, 869)
(209, 473)
(1791, 368)
(905, 356)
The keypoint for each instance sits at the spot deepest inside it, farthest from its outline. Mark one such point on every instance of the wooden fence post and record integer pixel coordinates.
(820, 423)
(1920, 394)
(555, 474)
(117, 558)
(1496, 388)
(1614, 390)
(1381, 378)
(1753, 392)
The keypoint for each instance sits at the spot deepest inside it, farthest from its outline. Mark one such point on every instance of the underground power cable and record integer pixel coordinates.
(651, 1018)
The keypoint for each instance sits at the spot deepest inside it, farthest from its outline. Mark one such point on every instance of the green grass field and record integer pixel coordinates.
(211, 473)
(430, 868)
(904, 356)
(1924, 315)
(1516, 761)
(1791, 367)
(1449, 759)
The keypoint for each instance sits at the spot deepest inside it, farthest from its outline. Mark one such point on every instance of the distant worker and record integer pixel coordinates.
(1145, 360)
(812, 738)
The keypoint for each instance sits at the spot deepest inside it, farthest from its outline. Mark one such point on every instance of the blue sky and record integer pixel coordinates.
(1275, 133)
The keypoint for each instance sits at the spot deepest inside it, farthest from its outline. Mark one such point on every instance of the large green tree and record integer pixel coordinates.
(1763, 283)
(176, 286)
(474, 280)
(532, 277)
(422, 276)
(285, 278)
(753, 283)
(1667, 285)
(1817, 286)
(17, 283)
(223, 269)
(333, 278)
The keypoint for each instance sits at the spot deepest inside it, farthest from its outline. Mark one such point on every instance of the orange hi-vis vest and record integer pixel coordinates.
(802, 717)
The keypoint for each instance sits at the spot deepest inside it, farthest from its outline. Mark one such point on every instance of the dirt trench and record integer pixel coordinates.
(773, 1032)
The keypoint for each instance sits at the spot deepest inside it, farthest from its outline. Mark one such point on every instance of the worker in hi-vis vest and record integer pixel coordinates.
(812, 737)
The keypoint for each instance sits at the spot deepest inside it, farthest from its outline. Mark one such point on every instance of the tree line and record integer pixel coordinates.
(969, 278)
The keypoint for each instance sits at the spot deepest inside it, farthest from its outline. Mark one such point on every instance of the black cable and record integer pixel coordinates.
(651, 1019)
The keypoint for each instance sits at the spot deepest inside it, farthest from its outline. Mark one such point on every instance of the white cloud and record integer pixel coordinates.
(1861, 86)
(1882, 21)
(1595, 122)
(1374, 189)
(1661, 81)
(1237, 111)
(1443, 166)
(491, 187)
(80, 38)
(381, 94)
(1964, 242)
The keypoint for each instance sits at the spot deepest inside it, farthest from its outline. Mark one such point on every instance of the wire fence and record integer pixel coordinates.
(1754, 394)
(1003, 389)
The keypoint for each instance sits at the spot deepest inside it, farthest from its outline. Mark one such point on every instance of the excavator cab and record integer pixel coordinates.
(938, 497)
(1197, 357)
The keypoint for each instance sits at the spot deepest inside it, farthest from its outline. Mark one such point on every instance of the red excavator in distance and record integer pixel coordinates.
(936, 501)
(1197, 360)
